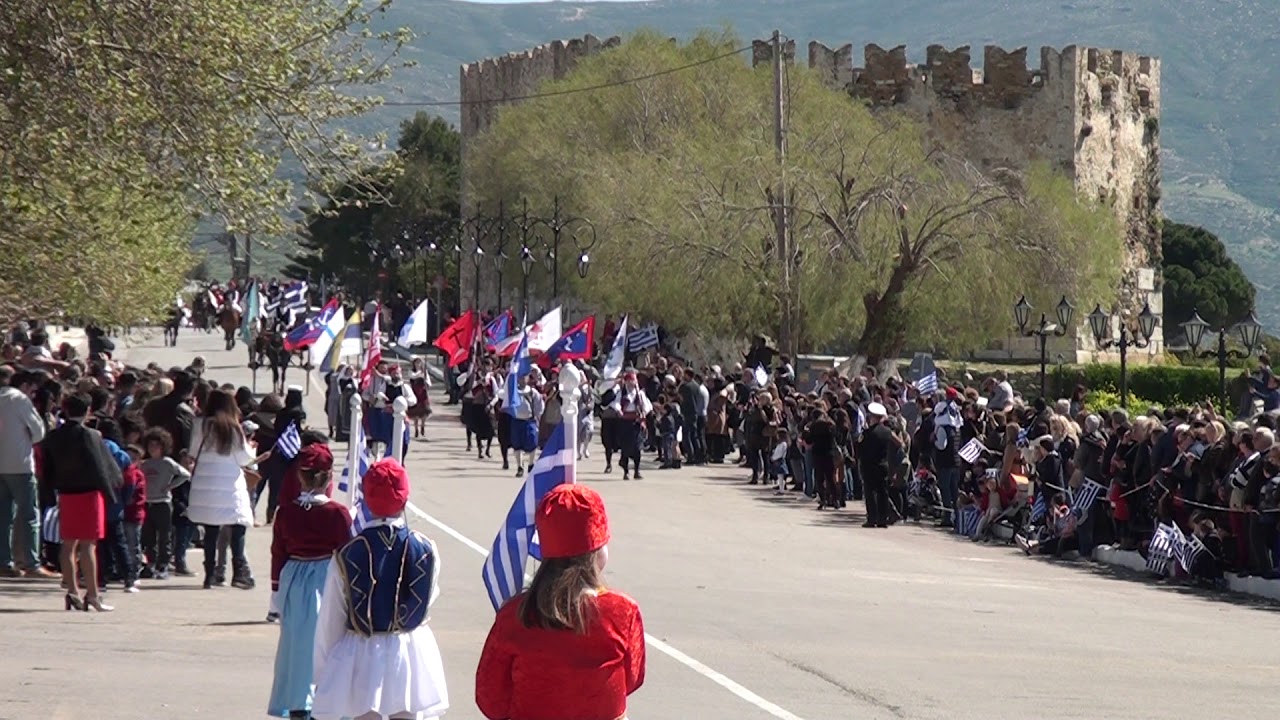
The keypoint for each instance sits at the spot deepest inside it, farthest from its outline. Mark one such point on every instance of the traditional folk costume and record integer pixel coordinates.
(525, 415)
(375, 656)
(533, 673)
(632, 407)
(308, 530)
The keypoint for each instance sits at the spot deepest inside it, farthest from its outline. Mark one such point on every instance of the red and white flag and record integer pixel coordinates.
(373, 354)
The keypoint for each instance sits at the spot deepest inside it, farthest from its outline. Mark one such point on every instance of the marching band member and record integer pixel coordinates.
(632, 407)
(525, 414)
(375, 656)
(567, 647)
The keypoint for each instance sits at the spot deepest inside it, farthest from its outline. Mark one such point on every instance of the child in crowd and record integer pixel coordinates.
(162, 474)
(133, 496)
(1059, 533)
(669, 433)
(779, 469)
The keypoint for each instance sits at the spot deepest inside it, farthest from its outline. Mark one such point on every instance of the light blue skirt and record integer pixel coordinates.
(301, 584)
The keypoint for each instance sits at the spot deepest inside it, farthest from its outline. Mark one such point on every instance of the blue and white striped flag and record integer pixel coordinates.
(360, 515)
(928, 384)
(1188, 551)
(504, 569)
(290, 442)
(1161, 550)
(1022, 437)
(1084, 497)
(1038, 509)
(967, 520)
(642, 338)
(972, 450)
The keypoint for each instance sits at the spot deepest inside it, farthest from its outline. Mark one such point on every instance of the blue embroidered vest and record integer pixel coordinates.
(388, 571)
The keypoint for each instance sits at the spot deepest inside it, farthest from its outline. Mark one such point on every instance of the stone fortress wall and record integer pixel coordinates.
(1091, 113)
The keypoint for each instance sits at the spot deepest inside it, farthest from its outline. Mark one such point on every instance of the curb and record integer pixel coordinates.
(1256, 586)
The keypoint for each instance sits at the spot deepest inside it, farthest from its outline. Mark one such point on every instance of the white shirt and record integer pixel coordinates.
(631, 400)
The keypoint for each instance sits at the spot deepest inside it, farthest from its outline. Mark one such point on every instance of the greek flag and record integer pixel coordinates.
(290, 442)
(1161, 550)
(1038, 510)
(504, 569)
(642, 338)
(1084, 497)
(1022, 437)
(51, 526)
(1188, 551)
(967, 520)
(360, 515)
(928, 385)
(972, 450)
(293, 297)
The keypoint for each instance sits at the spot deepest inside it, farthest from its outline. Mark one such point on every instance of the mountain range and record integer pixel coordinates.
(1219, 75)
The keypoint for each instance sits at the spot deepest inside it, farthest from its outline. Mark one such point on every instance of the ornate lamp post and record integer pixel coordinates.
(1100, 326)
(1065, 312)
(558, 225)
(526, 265)
(1249, 331)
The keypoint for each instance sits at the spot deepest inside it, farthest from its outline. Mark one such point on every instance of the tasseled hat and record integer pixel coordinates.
(386, 488)
(315, 457)
(571, 521)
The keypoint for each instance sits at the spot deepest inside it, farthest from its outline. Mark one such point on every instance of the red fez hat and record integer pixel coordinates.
(571, 521)
(386, 488)
(952, 393)
(315, 457)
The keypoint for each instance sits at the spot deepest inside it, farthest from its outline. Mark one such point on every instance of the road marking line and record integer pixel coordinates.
(662, 647)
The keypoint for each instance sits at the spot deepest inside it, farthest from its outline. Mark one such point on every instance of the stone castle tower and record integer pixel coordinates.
(1093, 114)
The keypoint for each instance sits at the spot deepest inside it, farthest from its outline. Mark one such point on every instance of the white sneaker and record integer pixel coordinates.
(273, 617)
(587, 454)
(132, 588)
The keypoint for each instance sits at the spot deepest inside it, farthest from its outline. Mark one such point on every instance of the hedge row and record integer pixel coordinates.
(1162, 384)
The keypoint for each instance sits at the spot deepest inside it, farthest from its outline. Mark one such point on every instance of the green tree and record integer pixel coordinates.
(353, 241)
(1200, 276)
(171, 111)
(888, 240)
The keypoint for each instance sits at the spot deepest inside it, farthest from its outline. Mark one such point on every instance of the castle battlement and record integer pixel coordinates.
(1092, 113)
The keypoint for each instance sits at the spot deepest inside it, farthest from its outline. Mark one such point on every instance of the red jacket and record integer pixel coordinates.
(535, 674)
(134, 494)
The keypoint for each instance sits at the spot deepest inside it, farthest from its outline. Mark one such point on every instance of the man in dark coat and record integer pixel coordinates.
(875, 451)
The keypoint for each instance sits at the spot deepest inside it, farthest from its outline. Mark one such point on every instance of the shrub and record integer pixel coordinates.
(1101, 402)
(1163, 384)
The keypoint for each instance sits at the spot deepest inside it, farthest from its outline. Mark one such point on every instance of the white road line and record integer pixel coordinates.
(662, 647)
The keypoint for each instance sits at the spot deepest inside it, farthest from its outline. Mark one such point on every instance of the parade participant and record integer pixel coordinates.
(525, 415)
(308, 530)
(567, 647)
(632, 407)
(375, 656)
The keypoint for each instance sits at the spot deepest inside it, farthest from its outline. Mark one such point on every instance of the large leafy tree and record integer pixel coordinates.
(354, 241)
(122, 122)
(890, 239)
(1200, 276)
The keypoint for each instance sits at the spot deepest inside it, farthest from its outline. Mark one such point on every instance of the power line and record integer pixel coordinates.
(571, 91)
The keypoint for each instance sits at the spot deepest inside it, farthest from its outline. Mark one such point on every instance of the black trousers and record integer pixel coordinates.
(156, 528)
(875, 487)
(630, 437)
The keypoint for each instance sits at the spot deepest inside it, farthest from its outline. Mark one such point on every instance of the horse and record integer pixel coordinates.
(229, 320)
(268, 345)
(202, 313)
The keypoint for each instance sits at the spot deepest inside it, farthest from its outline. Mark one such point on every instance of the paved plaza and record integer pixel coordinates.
(757, 607)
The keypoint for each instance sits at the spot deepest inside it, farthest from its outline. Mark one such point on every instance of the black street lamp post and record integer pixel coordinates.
(526, 265)
(1249, 331)
(1100, 326)
(499, 226)
(1022, 316)
(558, 226)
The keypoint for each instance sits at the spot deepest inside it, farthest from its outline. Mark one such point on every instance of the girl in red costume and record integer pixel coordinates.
(567, 648)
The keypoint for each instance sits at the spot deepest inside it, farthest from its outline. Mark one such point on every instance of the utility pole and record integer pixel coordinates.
(785, 331)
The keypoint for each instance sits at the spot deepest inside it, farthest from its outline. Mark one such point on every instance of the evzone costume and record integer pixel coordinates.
(308, 529)
(375, 656)
(525, 415)
(531, 672)
(632, 406)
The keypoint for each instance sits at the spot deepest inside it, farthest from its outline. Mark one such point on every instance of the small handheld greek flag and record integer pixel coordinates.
(1038, 509)
(928, 385)
(972, 450)
(967, 520)
(1188, 551)
(290, 442)
(1084, 497)
(360, 515)
(1161, 550)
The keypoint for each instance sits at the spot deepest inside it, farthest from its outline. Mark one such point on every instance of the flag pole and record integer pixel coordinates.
(570, 394)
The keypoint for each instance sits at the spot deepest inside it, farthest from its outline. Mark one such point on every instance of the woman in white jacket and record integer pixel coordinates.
(219, 491)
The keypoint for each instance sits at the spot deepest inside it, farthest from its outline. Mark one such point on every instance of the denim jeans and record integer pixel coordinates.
(182, 535)
(113, 556)
(948, 485)
(22, 521)
(133, 551)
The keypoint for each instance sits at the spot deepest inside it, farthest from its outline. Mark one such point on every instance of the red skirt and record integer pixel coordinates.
(82, 516)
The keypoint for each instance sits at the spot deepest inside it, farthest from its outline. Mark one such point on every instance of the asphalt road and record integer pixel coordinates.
(757, 608)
